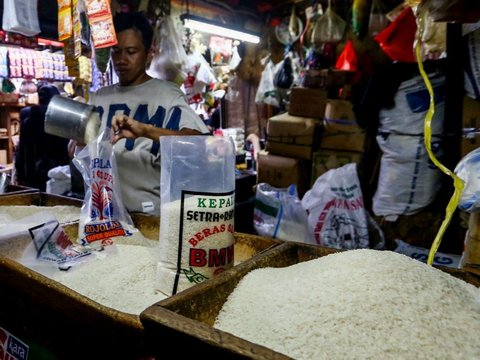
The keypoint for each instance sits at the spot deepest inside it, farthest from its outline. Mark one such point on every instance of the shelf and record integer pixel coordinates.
(459, 11)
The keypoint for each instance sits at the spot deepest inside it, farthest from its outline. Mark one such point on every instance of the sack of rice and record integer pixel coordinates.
(356, 304)
(197, 210)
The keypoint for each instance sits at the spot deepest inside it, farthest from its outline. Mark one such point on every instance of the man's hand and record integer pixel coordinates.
(126, 127)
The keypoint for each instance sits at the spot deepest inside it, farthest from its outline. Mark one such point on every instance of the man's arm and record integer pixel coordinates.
(126, 127)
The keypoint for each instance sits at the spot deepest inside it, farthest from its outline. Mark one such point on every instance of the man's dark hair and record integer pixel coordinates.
(135, 20)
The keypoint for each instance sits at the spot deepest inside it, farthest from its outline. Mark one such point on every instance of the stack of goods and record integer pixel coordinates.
(471, 125)
(341, 140)
(318, 133)
(40, 65)
(290, 141)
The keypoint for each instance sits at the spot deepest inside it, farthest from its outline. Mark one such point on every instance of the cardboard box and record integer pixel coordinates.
(471, 113)
(307, 102)
(471, 125)
(324, 160)
(327, 78)
(3, 157)
(340, 128)
(470, 141)
(292, 136)
(281, 172)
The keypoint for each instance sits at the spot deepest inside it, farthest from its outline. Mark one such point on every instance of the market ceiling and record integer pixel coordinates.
(48, 10)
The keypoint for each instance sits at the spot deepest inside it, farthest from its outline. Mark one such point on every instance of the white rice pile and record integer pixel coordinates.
(63, 213)
(358, 304)
(124, 281)
(15, 220)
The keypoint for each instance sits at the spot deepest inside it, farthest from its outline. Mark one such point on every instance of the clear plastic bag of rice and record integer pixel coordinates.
(197, 210)
(103, 215)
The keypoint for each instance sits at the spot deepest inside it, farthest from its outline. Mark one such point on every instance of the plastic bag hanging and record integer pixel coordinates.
(21, 16)
(378, 18)
(170, 59)
(284, 77)
(328, 28)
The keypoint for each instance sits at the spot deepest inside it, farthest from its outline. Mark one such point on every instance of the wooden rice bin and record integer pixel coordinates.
(18, 189)
(188, 317)
(68, 324)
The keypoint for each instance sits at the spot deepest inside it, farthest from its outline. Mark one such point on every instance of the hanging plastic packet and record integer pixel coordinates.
(169, 59)
(103, 215)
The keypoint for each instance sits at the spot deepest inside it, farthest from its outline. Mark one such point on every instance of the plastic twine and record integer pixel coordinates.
(458, 183)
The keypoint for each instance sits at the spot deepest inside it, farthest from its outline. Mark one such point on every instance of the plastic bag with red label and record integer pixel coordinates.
(103, 215)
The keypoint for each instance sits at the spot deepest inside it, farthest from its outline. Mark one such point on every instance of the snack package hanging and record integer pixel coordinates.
(103, 215)
(197, 210)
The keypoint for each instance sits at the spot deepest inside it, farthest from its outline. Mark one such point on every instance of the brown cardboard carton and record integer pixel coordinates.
(307, 102)
(471, 113)
(340, 129)
(324, 160)
(471, 125)
(281, 172)
(327, 78)
(292, 136)
(470, 141)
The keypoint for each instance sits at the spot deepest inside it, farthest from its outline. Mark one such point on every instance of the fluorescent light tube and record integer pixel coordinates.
(199, 24)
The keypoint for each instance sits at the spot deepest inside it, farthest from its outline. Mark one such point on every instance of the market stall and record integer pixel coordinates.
(324, 178)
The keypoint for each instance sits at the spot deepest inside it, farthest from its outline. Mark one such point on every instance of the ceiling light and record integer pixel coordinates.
(197, 23)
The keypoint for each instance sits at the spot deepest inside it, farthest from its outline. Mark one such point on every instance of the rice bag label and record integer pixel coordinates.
(199, 243)
(101, 226)
(53, 244)
(207, 228)
(103, 230)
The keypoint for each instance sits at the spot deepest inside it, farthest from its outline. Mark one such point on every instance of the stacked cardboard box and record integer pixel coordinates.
(291, 139)
(317, 134)
(471, 125)
(341, 140)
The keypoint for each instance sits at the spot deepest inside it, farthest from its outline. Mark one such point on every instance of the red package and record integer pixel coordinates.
(348, 58)
(397, 39)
